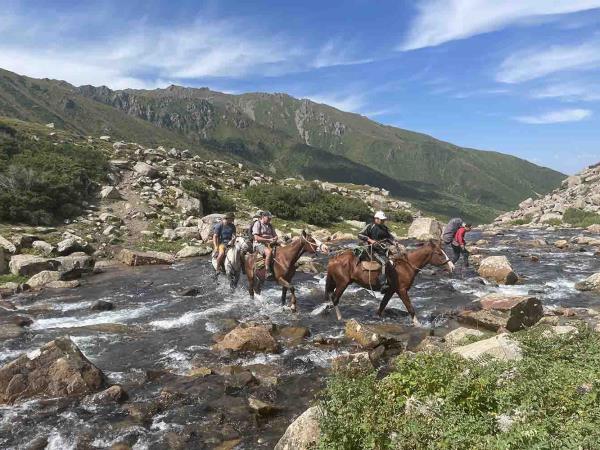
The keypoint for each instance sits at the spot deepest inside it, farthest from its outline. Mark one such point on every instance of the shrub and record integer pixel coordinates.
(42, 183)
(580, 218)
(400, 216)
(311, 204)
(549, 399)
(212, 201)
(524, 221)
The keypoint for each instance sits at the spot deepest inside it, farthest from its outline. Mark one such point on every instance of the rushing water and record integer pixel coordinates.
(154, 329)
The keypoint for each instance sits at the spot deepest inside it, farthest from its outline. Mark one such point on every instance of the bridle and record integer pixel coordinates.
(316, 247)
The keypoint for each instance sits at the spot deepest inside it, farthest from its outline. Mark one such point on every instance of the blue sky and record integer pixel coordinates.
(520, 77)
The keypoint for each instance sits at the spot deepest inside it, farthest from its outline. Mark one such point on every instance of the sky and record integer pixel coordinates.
(519, 77)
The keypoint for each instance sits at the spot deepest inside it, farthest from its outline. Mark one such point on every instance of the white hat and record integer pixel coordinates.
(380, 215)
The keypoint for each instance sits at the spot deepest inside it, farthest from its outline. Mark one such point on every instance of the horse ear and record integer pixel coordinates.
(303, 233)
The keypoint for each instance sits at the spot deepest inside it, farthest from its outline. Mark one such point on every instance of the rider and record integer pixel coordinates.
(223, 235)
(264, 237)
(377, 234)
(459, 244)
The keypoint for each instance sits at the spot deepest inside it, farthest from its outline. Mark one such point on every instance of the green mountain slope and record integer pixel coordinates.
(287, 136)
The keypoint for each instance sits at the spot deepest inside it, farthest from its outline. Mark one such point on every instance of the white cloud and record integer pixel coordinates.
(343, 102)
(535, 63)
(145, 55)
(569, 91)
(560, 116)
(440, 21)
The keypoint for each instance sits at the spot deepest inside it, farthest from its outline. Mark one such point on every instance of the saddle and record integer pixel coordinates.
(367, 262)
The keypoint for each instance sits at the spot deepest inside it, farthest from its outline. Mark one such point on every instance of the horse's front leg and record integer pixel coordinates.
(283, 295)
(403, 293)
(285, 286)
(384, 301)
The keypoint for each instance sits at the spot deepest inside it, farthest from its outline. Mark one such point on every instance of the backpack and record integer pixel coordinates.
(249, 228)
(450, 230)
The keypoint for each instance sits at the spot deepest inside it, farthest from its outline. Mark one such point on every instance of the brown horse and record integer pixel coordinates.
(345, 268)
(284, 266)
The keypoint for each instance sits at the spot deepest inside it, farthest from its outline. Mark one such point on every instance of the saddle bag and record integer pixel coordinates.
(370, 266)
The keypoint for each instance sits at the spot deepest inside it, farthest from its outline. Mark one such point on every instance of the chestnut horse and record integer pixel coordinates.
(345, 268)
(284, 266)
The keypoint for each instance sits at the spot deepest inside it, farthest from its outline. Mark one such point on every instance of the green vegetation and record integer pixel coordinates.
(554, 222)
(10, 278)
(523, 221)
(311, 204)
(548, 400)
(580, 218)
(212, 201)
(159, 245)
(43, 183)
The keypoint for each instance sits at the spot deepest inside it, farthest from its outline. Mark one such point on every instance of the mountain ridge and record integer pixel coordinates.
(289, 136)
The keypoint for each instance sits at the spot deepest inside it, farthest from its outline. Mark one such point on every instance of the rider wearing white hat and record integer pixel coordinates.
(376, 234)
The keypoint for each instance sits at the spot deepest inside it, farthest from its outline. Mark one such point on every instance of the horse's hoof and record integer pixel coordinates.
(416, 323)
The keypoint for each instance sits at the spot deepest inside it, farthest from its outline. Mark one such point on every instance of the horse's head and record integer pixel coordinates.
(312, 244)
(438, 255)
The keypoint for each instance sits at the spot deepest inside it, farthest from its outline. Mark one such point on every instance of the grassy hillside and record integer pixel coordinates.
(287, 136)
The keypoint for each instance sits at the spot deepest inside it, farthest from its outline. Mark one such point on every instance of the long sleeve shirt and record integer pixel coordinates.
(459, 237)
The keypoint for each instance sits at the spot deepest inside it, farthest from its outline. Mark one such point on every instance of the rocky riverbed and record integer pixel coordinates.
(157, 343)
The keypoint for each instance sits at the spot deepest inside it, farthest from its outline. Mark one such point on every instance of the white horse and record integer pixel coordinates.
(233, 260)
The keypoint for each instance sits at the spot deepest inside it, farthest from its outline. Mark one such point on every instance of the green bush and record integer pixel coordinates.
(311, 204)
(41, 183)
(524, 221)
(548, 400)
(400, 216)
(580, 218)
(212, 201)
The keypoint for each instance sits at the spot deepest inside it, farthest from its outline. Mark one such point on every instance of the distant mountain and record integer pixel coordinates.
(287, 136)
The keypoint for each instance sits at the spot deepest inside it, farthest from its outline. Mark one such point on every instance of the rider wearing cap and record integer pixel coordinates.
(376, 235)
(223, 235)
(264, 237)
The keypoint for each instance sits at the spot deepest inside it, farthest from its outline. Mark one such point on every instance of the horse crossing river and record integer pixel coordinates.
(154, 332)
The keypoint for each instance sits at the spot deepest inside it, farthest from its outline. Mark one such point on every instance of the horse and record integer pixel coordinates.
(233, 261)
(345, 268)
(284, 266)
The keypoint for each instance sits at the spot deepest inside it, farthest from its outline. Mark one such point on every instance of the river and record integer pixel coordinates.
(154, 332)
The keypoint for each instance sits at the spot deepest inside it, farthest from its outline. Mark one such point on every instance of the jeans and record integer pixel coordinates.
(457, 251)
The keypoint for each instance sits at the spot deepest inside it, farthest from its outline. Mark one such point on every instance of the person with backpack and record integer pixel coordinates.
(223, 235)
(265, 238)
(459, 245)
(377, 235)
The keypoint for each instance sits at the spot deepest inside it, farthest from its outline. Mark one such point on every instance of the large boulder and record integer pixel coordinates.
(461, 335)
(72, 245)
(138, 258)
(497, 268)
(110, 193)
(591, 283)
(191, 251)
(425, 228)
(145, 169)
(187, 232)
(29, 265)
(75, 264)
(369, 336)
(8, 246)
(189, 205)
(500, 312)
(43, 278)
(43, 247)
(58, 369)
(206, 225)
(500, 347)
(253, 338)
(303, 433)
(595, 228)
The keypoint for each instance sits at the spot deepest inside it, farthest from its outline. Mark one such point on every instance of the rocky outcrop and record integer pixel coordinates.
(137, 258)
(591, 283)
(43, 278)
(461, 335)
(206, 225)
(498, 269)
(369, 336)
(248, 339)
(29, 265)
(500, 347)
(581, 191)
(303, 433)
(502, 312)
(145, 169)
(191, 251)
(58, 369)
(425, 228)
